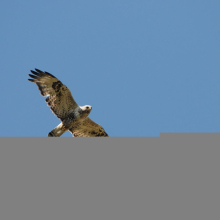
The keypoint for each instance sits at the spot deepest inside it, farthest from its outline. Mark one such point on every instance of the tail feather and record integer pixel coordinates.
(58, 131)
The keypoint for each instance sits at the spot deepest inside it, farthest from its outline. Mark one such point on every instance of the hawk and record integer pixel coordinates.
(73, 117)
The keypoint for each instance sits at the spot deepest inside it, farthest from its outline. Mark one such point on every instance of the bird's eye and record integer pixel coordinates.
(87, 107)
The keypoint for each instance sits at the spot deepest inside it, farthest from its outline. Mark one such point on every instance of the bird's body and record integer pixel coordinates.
(73, 117)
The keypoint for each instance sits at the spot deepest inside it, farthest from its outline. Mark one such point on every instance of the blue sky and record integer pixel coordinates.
(146, 66)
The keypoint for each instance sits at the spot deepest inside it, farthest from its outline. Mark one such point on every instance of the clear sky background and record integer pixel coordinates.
(145, 66)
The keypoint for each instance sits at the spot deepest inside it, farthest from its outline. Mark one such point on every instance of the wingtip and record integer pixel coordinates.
(33, 72)
(39, 71)
(33, 76)
(32, 80)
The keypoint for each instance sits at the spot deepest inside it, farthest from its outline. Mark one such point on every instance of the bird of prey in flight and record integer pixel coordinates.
(73, 117)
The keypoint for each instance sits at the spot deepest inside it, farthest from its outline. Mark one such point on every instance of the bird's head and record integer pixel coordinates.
(86, 109)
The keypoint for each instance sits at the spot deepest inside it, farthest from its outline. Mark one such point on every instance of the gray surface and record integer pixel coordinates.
(175, 176)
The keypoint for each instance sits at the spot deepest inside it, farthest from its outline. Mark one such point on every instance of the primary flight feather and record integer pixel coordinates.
(73, 117)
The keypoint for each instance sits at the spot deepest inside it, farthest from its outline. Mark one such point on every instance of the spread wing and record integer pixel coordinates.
(59, 97)
(88, 128)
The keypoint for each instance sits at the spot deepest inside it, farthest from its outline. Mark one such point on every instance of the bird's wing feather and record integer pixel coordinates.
(88, 128)
(59, 97)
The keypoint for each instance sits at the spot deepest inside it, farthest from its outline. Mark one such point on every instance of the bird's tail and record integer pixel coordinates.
(58, 131)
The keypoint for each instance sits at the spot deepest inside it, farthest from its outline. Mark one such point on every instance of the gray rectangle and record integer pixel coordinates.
(169, 177)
